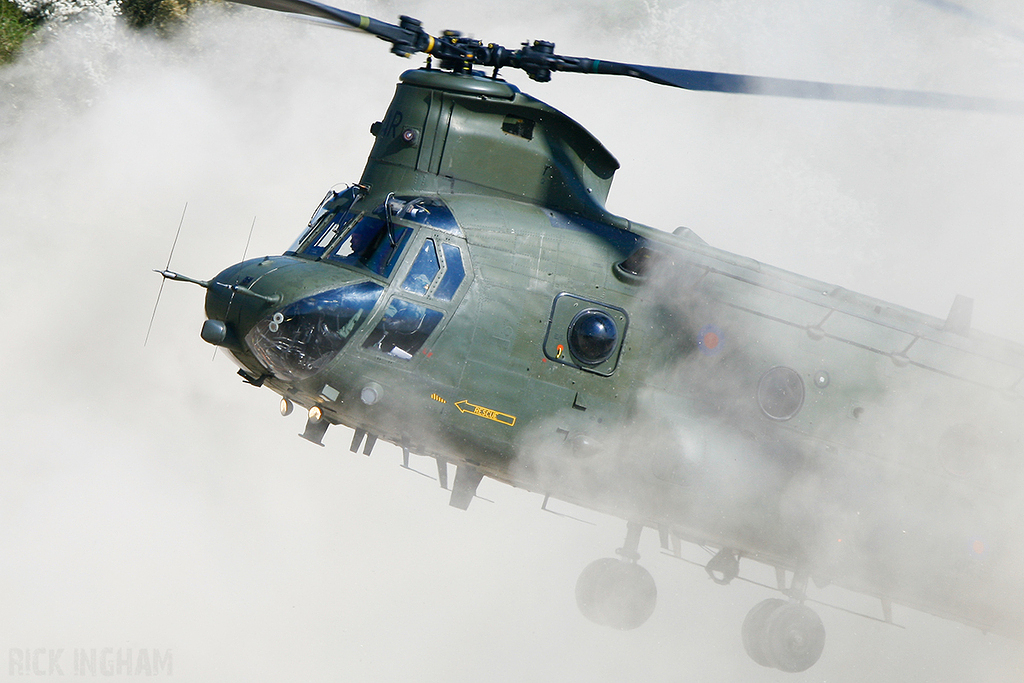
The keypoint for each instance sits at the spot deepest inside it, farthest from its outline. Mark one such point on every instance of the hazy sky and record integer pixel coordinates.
(150, 500)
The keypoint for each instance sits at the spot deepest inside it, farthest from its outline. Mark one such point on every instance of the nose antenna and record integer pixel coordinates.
(165, 278)
(206, 284)
(245, 252)
(171, 275)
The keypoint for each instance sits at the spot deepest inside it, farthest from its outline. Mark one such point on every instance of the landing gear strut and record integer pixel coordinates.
(618, 592)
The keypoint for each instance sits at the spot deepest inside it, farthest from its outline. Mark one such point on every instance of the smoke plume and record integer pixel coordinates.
(151, 501)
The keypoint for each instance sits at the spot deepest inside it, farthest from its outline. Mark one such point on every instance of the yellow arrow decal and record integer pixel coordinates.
(465, 406)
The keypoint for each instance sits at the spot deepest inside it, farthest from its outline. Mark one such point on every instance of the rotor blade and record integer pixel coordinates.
(1007, 29)
(319, 21)
(714, 81)
(389, 32)
(539, 61)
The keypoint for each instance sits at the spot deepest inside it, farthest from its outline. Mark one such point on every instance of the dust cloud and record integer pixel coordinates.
(153, 502)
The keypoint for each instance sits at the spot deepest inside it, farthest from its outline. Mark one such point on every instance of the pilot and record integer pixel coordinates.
(362, 240)
(400, 328)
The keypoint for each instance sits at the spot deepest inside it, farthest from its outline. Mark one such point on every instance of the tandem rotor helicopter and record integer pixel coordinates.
(470, 299)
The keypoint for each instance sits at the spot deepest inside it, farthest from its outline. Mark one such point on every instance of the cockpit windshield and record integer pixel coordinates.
(297, 341)
(333, 214)
(373, 243)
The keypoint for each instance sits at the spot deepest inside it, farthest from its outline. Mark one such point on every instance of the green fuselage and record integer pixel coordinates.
(473, 301)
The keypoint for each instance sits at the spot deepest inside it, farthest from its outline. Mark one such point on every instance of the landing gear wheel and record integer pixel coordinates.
(755, 630)
(794, 637)
(783, 635)
(616, 593)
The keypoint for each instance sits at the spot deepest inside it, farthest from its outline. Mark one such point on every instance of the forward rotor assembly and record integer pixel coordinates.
(459, 54)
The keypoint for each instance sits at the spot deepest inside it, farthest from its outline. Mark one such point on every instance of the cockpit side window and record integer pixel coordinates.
(424, 269)
(403, 329)
(436, 273)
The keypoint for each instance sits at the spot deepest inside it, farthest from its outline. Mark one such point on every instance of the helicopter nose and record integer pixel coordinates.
(235, 299)
(292, 316)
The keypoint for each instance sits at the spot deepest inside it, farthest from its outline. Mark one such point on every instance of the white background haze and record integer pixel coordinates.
(149, 499)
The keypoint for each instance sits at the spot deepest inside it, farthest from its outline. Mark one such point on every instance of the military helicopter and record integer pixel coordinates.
(470, 299)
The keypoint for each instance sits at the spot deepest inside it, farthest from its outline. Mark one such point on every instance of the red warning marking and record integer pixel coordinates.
(710, 339)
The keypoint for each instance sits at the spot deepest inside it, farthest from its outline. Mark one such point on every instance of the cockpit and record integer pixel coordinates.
(372, 240)
(408, 251)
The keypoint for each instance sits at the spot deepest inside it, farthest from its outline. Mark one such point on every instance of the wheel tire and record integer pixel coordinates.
(614, 593)
(755, 630)
(794, 638)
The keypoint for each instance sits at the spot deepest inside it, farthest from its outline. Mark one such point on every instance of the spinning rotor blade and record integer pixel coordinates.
(1005, 28)
(539, 61)
(406, 39)
(321, 11)
(714, 81)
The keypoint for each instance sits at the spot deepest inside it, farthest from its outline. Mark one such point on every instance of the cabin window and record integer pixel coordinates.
(403, 329)
(592, 337)
(780, 393)
(585, 334)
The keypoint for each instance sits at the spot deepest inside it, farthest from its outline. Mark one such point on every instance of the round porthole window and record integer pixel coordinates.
(592, 337)
(780, 393)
